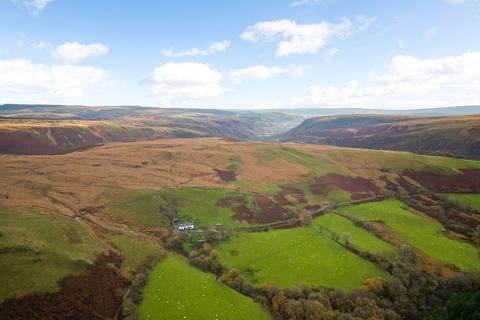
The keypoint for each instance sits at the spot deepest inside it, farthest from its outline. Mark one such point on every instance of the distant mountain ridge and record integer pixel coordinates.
(112, 112)
(38, 129)
(442, 111)
(457, 136)
(51, 129)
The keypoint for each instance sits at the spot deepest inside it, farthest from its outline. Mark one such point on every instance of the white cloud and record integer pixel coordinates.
(212, 48)
(365, 22)
(34, 6)
(179, 82)
(327, 57)
(407, 82)
(299, 3)
(295, 38)
(22, 77)
(261, 72)
(73, 52)
(457, 71)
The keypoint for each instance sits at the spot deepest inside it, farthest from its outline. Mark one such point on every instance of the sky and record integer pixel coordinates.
(241, 54)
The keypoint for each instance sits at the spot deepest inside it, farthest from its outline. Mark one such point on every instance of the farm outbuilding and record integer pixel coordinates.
(185, 227)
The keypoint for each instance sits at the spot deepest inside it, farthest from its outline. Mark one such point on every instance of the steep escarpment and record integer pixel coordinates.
(37, 130)
(53, 137)
(447, 136)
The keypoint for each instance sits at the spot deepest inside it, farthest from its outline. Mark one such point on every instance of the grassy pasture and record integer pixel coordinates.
(136, 206)
(369, 161)
(199, 204)
(315, 165)
(37, 250)
(295, 256)
(136, 251)
(176, 290)
(468, 200)
(418, 231)
(359, 237)
(332, 195)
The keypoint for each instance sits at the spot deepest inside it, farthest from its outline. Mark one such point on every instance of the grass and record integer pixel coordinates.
(359, 237)
(142, 207)
(465, 200)
(372, 160)
(200, 205)
(295, 256)
(135, 251)
(235, 163)
(315, 165)
(418, 231)
(331, 196)
(263, 188)
(37, 250)
(176, 290)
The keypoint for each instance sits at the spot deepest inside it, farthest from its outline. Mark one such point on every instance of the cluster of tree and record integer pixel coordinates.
(168, 239)
(206, 259)
(214, 234)
(408, 294)
(305, 218)
(135, 295)
(476, 235)
(137, 284)
(463, 306)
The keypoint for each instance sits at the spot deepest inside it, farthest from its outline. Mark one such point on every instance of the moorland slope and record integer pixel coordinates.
(457, 136)
(114, 209)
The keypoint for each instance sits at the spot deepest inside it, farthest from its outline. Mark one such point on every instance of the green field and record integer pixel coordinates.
(423, 233)
(400, 161)
(295, 256)
(136, 206)
(466, 200)
(135, 251)
(176, 290)
(331, 195)
(200, 205)
(37, 250)
(359, 237)
(316, 166)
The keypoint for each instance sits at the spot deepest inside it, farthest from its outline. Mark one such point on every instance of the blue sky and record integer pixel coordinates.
(241, 54)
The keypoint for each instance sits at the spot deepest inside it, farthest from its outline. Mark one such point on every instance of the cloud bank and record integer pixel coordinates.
(295, 38)
(174, 83)
(212, 48)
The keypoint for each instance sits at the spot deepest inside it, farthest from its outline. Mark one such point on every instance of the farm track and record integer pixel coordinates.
(293, 223)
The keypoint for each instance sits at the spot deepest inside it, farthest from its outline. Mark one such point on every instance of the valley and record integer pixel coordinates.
(263, 214)
(455, 136)
(239, 160)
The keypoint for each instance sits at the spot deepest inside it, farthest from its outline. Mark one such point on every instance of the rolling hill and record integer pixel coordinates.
(52, 129)
(59, 129)
(456, 136)
(88, 226)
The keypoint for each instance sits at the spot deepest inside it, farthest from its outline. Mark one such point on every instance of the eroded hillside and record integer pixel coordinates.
(457, 136)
